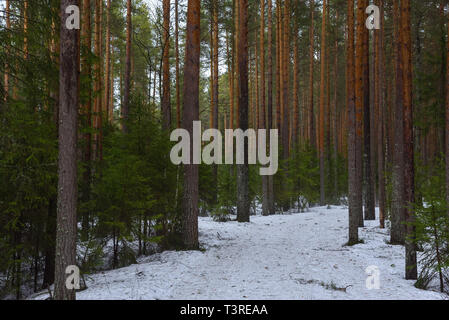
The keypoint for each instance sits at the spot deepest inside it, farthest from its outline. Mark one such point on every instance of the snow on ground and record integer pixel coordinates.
(291, 257)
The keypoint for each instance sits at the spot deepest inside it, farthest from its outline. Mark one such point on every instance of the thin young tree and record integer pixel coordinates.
(67, 165)
(190, 113)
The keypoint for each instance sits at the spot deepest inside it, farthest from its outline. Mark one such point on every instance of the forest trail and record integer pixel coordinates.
(298, 256)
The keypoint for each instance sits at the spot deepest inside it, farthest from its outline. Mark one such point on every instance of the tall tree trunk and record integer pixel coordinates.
(67, 165)
(312, 131)
(231, 82)
(411, 272)
(86, 110)
(380, 70)
(359, 103)
(111, 86)
(97, 77)
(215, 94)
(262, 121)
(236, 66)
(25, 29)
(127, 77)
(278, 65)
(286, 79)
(243, 202)
(322, 104)
(190, 114)
(6, 75)
(368, 183)
(335, 114)
(107, 81)
(178, 94)
(354, 205)
(166, 104)
(271, 207)
(447, 121)
(397, 205)
(295, 92)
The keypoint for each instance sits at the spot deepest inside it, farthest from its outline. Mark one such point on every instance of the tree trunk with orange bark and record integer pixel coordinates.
(311, 118)
(190, 114)
(322, 105)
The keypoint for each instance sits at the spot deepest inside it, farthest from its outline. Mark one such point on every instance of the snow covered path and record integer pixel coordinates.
(300, 256)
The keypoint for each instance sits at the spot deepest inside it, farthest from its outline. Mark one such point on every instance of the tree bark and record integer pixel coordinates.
(368, 183)
(166, 104)
(108, 88)
(215, 94)
(6, 75)
(322, 104)
(447, 122)
(359, 103)
(270, 125)
(381, 105)
(286, 80)
(243, 202)
(312, 131)
(411, 270)
(397, 205)
(190, 114)
(178, 94)
(97, 86)
(127, 76)
(262, 121)
(67, 166)
(354, 206)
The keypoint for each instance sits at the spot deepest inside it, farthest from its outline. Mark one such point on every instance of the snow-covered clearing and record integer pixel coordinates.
(293, 257)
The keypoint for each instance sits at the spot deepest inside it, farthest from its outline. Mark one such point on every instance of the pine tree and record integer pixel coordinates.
(166, 104)
(322, 104)
(67, 166)
(243, 201)
(127, 76)
(354, 206)
(190, 114)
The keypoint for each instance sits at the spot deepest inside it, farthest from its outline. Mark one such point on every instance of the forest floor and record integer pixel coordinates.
(292, 257)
